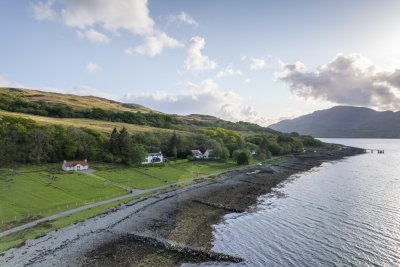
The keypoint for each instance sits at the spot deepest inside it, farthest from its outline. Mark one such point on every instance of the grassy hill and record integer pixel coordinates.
(43, 127)
(101, 126)
(102, 114)
(73, 101)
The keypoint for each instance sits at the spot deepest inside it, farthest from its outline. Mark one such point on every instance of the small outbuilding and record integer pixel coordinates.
(79, 165)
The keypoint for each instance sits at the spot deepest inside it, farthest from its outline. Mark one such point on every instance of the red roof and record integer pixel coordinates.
(74, 163)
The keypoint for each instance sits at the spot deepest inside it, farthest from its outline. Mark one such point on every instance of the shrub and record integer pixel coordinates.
(243, 158)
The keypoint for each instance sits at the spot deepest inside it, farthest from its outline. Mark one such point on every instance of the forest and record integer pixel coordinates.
(25, 141)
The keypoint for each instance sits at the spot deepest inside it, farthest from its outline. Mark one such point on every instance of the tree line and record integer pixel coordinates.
(25, 141)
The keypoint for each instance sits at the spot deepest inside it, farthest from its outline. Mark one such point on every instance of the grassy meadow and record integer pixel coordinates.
(146, 177)
(31, 192)
(40, 191)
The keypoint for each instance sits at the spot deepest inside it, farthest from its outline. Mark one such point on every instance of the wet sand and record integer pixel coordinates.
(165, 229)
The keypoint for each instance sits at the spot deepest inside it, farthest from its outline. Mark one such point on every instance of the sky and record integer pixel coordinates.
(259, 61)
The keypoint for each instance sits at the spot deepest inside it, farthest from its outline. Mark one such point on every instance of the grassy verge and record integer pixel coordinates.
(19, 238)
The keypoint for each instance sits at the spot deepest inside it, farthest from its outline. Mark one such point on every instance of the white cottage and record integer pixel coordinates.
(75, 165)
(197, 154)
(154, 158)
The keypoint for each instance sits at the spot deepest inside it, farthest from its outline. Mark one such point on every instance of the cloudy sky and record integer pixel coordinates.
(258, 60)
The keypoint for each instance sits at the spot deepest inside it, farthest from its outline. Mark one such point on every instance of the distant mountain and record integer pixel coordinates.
(345, 122)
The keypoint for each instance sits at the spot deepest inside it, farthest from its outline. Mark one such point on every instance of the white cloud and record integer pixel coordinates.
(185, 18)
(6, 82)
(257, 63)
(195, 60)
(228, 72)
(93, 36)
(112, 16)
(131, 15)
(347, 79)
(242, 113)
(203, 98)
(43, 11)
(248, 80)
(154, 44)
(92, 67)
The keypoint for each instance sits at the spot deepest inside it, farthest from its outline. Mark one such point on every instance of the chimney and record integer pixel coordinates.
(85, 160)
(65, 161)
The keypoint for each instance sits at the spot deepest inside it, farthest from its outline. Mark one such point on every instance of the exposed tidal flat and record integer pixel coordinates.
(166, 229)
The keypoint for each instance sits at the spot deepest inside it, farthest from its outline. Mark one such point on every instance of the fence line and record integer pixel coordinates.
(54, 209)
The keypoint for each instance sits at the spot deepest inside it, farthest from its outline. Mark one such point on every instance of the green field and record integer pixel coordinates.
(40, 191)
(153, 176)
(31, 192)
(19, 238)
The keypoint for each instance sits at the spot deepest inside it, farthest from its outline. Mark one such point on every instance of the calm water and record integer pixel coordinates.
(345, 213)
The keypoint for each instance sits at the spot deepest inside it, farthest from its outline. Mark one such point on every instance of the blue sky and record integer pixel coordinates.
(256, 60)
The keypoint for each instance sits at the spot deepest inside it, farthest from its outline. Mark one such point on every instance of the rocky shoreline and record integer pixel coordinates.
(165, 229)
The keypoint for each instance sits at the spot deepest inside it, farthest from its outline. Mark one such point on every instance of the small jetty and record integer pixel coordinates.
(379, 151)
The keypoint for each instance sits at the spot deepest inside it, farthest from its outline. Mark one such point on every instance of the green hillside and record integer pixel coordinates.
(73, 101)
(38, 130)
(43, 127)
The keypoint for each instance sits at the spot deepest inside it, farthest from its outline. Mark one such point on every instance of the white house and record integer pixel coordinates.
(75, 165)
(154, 158)
(197, 154)
(207, 154)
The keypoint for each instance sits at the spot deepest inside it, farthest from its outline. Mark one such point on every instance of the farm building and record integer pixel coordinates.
(154, 158)
(75, 165)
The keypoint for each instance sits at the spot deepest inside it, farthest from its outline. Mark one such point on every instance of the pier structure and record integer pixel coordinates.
(372, 150)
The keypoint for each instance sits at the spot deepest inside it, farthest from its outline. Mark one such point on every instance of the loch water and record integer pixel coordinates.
(343, 213)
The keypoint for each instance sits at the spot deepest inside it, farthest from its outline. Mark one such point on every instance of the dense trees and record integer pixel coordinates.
(124, 150)
(243, 157)
(310, 141)
(23, 140)
(173, 145)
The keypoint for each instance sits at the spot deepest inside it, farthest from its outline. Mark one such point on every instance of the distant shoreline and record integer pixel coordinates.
(167, 228)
